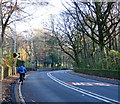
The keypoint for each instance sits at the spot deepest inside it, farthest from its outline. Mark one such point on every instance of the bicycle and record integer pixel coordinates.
(22, 77)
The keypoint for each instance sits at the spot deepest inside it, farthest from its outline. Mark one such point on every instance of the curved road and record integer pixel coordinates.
(61, 86)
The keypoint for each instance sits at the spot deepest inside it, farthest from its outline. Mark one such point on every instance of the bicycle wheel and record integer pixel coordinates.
(21, 78)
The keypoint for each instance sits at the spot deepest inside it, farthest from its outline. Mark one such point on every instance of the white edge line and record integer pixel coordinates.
(81, 90)
(20, 93)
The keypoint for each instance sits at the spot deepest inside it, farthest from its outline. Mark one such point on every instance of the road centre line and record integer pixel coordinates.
(99, 97)
(74, 88)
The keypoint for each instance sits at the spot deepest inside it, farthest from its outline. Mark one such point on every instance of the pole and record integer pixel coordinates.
(15, 42)
(1, 46)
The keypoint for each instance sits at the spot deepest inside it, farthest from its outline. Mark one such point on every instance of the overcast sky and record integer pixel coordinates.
(42, 15)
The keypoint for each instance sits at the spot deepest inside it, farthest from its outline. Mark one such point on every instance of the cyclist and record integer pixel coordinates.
(22, 70)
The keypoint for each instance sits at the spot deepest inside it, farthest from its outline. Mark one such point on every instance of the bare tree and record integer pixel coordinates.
(95, 20)
(69, 39)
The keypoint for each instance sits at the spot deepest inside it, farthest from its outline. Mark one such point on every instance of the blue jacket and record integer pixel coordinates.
(21, 69)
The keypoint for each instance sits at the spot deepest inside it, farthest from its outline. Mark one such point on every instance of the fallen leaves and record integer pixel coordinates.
(6, 88)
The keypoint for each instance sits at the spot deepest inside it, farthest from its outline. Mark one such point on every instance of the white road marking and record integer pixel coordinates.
(90, 84)
(27, 75)
(20, 93)
(85, 92)
(33, 101)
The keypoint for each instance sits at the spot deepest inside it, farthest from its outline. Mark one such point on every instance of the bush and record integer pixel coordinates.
(114, 74)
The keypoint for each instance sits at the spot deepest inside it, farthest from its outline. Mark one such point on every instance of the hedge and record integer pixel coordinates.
(113, 74)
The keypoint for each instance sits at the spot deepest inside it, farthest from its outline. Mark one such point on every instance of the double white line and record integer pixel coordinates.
(91, 94)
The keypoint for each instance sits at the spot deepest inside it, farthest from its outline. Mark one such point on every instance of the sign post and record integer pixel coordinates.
(16, 55)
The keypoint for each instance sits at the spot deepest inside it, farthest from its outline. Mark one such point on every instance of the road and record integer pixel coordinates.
(62, 86)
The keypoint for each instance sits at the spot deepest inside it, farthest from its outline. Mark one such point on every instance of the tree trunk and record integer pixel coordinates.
(1, 61)
(93, 55)
(102, 55)
(77, 59)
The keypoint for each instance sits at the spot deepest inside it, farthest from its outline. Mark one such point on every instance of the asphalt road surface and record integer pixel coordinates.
(61, 86)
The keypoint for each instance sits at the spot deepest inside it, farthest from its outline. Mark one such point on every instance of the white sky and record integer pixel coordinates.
(42, 15)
